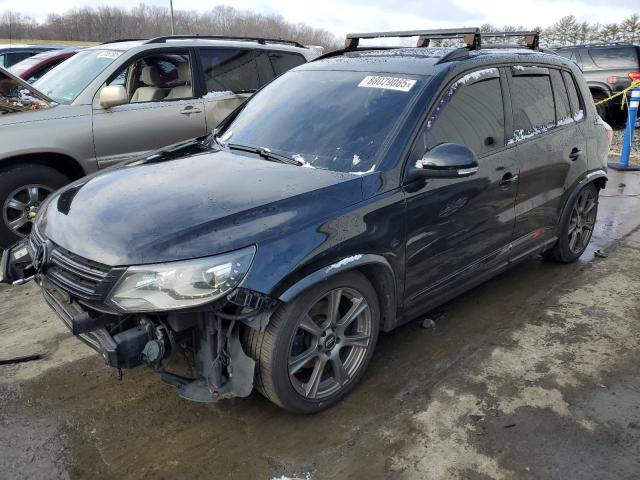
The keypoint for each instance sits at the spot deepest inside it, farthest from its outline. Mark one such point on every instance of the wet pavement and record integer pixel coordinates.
(531, 375)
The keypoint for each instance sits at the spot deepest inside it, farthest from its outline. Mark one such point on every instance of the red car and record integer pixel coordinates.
(32, 68)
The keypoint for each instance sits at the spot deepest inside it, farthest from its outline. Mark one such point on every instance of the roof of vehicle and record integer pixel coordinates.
(24, 46)
(427, 60)
(197, 41)
(47, 54)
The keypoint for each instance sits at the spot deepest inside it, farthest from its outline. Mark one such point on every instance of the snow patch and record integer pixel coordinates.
(521, 135)
(211, 95)
(364, 173)
(473, 76)
(343, 262)
(300, 158)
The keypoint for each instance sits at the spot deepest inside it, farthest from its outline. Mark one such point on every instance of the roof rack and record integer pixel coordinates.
(531, 38)
(260, 40)
(123, 40)
(472, 37)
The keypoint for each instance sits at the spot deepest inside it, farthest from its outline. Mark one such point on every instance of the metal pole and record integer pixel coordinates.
(172, 24)
(632, 115)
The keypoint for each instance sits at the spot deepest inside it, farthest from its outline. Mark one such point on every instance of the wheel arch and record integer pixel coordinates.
(597, 177)
(65, 164)
(599, 88)
(374, 267)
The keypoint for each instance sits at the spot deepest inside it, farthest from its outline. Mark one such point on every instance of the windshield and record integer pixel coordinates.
(65, 82)
(335, 120)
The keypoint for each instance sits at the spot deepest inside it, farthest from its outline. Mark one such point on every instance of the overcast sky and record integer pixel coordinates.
(341, 17)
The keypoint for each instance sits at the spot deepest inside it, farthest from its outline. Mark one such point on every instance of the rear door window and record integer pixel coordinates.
(235, 70)
(532, 103)
(283, 61)
(472, 115)
(563, 108)
(618, 57)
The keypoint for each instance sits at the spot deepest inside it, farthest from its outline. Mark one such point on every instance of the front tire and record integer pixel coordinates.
(22, 190)
(577, 227)
(316, 348)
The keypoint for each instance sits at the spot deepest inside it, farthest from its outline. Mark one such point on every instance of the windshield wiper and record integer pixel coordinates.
(265, 153)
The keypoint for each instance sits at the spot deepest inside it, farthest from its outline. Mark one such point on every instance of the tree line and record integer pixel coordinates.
(569, 31)
(144, 21)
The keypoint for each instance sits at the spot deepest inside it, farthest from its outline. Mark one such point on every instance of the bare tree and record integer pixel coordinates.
(144, 21)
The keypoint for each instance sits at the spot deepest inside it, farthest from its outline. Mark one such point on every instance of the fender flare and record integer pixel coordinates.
(387, 297)
(347, 263)
(575, 189)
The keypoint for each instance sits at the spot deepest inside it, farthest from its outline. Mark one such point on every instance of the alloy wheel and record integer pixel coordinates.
(330, 343)
(582, 221)
(21, 207)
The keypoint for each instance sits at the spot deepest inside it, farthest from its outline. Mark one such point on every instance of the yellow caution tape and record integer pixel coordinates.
(634, 84)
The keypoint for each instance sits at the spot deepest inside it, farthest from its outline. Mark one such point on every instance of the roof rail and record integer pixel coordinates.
(259, 40)
(123, 40)
(471, 36)
(599, 44)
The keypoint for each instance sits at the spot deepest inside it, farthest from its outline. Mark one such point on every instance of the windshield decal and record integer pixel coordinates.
(109, 54)
(387, 83)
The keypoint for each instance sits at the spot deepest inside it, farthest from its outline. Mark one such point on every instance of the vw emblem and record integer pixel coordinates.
(40, 257)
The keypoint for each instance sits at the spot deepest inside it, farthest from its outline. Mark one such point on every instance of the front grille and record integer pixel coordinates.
(81, 278)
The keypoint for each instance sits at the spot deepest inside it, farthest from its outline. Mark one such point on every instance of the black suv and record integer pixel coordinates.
(607, 68)
(348, 196)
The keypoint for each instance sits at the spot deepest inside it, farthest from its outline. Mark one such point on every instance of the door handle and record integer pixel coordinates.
(575, 154)
(188, 110)
(507, 179)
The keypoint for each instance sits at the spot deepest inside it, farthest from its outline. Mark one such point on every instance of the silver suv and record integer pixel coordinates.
(119, 100)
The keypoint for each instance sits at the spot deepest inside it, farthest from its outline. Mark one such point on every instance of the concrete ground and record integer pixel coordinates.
(532, 375)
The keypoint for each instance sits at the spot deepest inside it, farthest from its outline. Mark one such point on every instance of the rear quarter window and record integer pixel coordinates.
(614, 57)
(563, 108)
(532, 102)
(283, 61)
(577, 107)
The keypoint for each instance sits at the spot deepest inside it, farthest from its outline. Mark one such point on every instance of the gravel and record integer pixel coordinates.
(618, 138)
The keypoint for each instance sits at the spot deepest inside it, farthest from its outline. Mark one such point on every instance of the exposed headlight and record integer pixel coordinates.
(175, 285)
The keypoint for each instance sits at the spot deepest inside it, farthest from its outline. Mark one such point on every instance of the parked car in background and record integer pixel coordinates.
(608, 68)
(351, 195)
(116, 101)
(32, 68)
(12, 54)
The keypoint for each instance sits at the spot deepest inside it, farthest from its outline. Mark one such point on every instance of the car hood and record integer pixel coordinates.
(190, 207)
(16, 95)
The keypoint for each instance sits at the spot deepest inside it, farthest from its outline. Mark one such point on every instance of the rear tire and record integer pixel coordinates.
(22, 190)
(305, 372)
(577, 226)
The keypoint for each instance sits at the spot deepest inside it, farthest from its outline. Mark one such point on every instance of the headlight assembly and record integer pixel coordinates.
(176, 285)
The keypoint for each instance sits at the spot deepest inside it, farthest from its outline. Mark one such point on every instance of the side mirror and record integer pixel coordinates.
(113, 95)
(447, 160)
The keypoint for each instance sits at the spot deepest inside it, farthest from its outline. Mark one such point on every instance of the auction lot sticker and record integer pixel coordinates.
(387, 83)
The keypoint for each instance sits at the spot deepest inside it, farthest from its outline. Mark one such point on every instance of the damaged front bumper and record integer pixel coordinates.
(209, 338)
